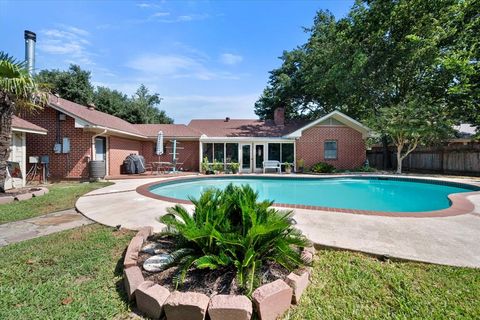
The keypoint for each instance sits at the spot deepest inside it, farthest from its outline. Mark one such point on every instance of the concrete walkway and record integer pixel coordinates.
(17, 231)
(443, 240)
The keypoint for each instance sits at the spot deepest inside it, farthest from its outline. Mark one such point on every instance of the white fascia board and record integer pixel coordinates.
(79, 123)
(28, 131)
(352, 123)
(204, 138)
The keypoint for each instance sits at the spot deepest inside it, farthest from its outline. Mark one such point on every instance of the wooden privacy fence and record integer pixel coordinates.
(453, 159)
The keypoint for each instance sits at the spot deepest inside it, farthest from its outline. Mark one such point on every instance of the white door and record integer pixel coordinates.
(245, 158)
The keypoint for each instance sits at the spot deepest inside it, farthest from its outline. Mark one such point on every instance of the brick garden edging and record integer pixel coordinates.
(24, 196)
(270, 300)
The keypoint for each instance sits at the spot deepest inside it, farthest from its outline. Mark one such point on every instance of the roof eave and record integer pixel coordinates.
(29, 130)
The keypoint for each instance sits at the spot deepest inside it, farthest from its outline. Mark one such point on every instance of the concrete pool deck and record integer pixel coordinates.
(449, 240)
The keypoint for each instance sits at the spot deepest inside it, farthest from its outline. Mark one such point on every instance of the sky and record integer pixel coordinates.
(206, 59)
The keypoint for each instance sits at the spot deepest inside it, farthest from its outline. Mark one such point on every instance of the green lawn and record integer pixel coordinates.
(61, 196)
(349, 285)
(74, 274)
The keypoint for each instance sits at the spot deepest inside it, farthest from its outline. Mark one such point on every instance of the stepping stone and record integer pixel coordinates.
(156, 263)
(152, 248)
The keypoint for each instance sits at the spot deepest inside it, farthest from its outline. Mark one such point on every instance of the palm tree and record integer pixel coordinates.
(18, 92)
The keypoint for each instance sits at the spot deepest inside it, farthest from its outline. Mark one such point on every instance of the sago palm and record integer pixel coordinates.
(18, 92)
(231, 228)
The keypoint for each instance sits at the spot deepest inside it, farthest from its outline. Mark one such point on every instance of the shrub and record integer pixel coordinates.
(364, 169)
(206, 167)
(217, 166)
(234, 166)
(322, 167)
(230, 228)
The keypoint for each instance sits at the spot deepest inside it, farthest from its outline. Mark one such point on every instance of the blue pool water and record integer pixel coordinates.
(347, 193)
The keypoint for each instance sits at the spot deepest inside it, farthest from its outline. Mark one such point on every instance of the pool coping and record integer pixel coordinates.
(459, 201)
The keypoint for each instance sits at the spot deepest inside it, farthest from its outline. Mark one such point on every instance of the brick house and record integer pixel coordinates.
(78, 134)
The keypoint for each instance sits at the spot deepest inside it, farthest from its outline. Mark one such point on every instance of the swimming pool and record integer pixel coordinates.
(354, 193)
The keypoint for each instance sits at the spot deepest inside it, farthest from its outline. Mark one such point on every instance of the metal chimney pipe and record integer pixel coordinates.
(30, 40)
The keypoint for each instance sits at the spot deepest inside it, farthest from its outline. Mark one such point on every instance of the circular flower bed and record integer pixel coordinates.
(232, 251)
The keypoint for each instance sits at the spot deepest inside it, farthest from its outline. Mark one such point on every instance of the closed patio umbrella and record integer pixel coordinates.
(159, 149)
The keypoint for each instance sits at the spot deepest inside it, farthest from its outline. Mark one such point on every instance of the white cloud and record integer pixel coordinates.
(161, 14)
(230, 58)
(68, 41)
(185, 108)
(176, 66)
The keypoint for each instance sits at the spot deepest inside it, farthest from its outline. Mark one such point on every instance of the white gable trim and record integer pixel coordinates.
(352, 123)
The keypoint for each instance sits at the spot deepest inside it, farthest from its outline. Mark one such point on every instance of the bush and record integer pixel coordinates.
(233, 167)
(322, 167)
(364, 169)
(231, 229)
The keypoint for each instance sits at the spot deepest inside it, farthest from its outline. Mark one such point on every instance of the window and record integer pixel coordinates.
(219, 152)
(287, 152)
(231, 150)
(274, 151)
(208, 151)
(330, 149)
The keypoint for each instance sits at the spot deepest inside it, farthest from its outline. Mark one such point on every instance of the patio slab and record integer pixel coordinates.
(443, 240)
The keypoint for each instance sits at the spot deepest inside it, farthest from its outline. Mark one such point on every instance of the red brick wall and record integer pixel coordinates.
(118, 150)
(69, 165)
(188, 155)
(350, 146)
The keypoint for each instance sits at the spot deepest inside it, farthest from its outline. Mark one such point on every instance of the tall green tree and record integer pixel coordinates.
(112, 102)
(408, 59)
(145, 107)
(18, 92)
(74, 84)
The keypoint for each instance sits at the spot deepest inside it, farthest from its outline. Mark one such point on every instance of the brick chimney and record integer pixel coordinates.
(279, 116)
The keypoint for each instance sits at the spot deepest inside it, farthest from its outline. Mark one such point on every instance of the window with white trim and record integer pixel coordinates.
(330, 150)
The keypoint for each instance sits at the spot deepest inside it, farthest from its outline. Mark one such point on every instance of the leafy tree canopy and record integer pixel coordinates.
(75, 85)
(382, 54)
(410, 60)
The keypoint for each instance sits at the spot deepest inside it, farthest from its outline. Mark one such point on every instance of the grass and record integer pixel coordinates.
(61, 196)
(69, 275)
(348, 285)
(76, 275)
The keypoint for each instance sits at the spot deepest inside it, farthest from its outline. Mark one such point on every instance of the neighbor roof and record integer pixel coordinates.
(169, 130)
(244, 127)
(19, 124)
(93, 117)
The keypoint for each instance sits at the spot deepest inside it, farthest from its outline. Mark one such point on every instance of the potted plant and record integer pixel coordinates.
(217, 167)
(288, 167)
(300, 165)
(206, 167)
(234, 166)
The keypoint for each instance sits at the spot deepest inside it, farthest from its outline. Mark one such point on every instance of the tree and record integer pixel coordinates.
(145, 107)
(113, 102)
(18, 92)
(73, 85)
(403, 58)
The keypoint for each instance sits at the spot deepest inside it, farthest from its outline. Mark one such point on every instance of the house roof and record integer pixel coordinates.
(19, 124)
(93, 117)
(337, 115)
(244, 127)
(465, 130)
(169, 130)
